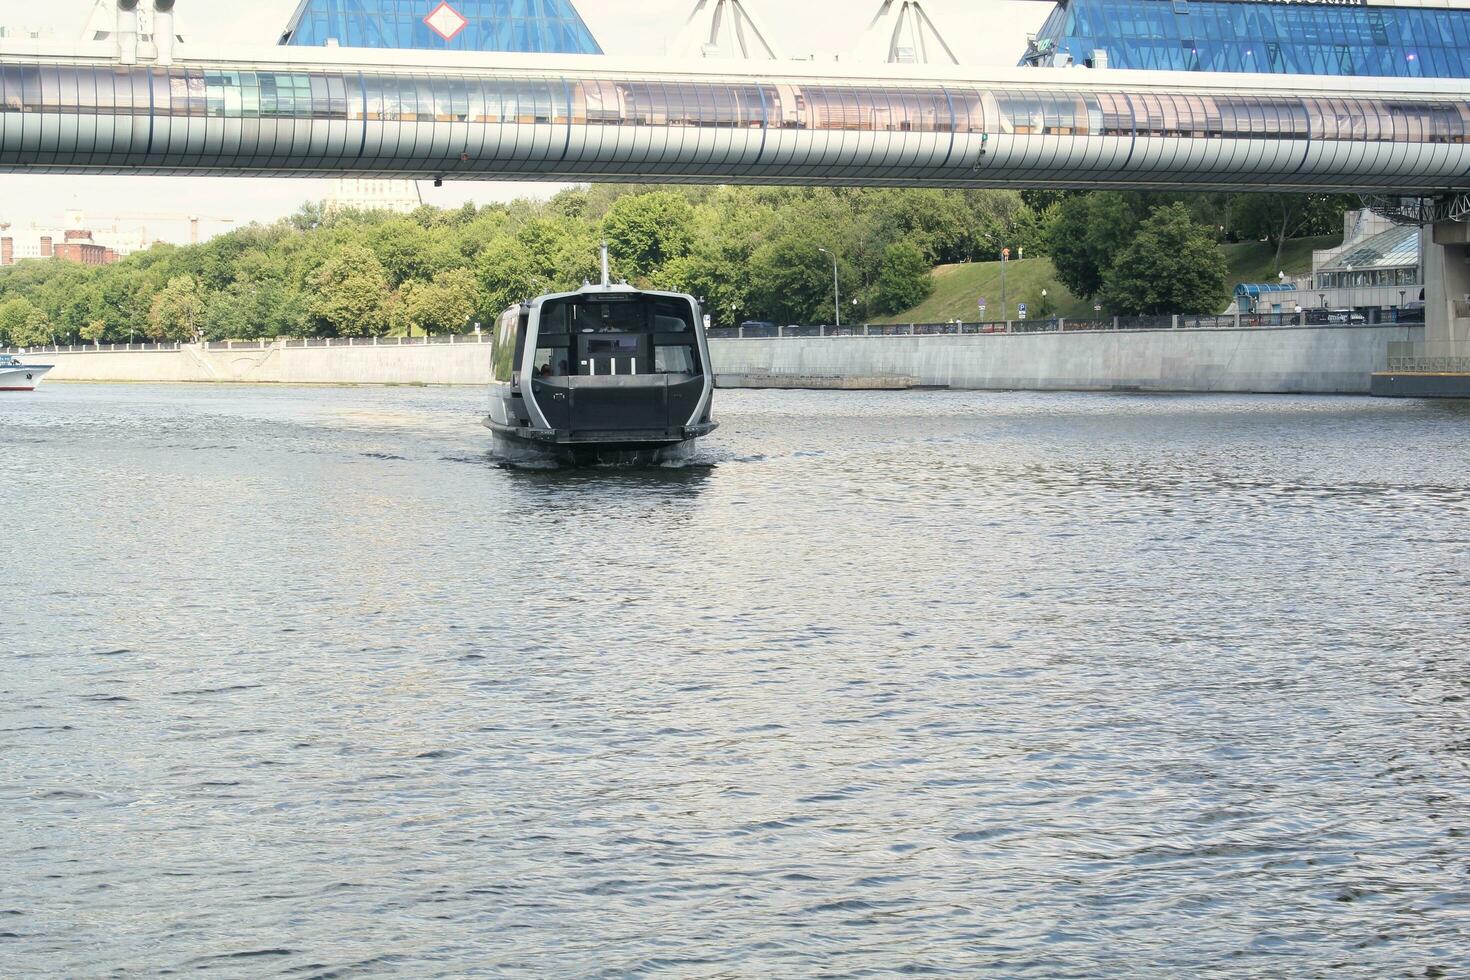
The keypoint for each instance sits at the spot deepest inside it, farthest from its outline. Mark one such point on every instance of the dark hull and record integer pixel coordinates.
(515, 447)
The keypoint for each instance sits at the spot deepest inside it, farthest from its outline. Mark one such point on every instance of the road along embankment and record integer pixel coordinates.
(1322, 360)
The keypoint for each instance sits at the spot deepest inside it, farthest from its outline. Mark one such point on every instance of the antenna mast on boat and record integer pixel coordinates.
(606, 272)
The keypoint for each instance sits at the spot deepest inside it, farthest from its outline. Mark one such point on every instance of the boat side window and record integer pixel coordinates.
(672, 316)
(557, 317)
(510, 340)
(672, 359)
(552, 360)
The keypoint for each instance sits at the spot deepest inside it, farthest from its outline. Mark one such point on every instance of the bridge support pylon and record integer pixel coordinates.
(1440, 367)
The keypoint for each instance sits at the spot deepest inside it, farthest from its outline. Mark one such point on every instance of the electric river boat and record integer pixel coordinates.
(15, 376)
(607, 374)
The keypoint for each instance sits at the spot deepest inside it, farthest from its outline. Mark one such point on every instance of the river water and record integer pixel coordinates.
(301, 683)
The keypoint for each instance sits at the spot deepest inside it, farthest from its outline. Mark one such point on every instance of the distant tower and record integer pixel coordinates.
(723, 29)
(902, 33)
(373, 194)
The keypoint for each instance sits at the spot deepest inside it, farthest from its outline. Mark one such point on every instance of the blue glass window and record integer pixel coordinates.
(1243, 36)
(531, 26)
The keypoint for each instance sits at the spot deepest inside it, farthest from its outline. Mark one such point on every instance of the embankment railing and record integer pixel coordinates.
(244, 345)
(1055, 325)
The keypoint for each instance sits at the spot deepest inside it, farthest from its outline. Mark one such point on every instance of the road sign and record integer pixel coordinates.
(982, 302)
(1020, 311)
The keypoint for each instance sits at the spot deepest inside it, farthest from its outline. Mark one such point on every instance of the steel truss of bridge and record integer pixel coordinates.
(335, 112)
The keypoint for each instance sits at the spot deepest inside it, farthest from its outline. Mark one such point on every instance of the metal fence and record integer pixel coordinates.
(87, 348)
(1055, 325)
(472, 338)
(1442, 358)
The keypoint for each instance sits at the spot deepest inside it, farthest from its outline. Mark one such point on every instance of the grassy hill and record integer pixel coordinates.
(1256, 261)
(958, 287)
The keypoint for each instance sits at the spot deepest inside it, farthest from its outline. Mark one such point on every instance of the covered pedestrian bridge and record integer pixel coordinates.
(331, 112)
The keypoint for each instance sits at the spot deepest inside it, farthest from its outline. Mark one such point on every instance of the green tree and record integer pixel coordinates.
(1171, 266)
(791, 280)
(408, 250)
(545, 255)
(177, 313)
(94, 331)
(645, 231)
(1084, 238)
(36, 330)
(1278, 218)
(14, 314)
(508, 275)
(353, 297)
(252, 311)
(906, 279)
(445, 305)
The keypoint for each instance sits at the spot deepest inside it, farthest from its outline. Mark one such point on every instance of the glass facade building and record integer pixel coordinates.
(1390, 258)
(1329, 37)
(565, 124)
(532, 26)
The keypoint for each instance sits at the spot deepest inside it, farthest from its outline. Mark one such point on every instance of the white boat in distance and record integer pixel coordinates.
(15, 376)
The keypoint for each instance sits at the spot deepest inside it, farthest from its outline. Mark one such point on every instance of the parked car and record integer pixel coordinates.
(1346, 316)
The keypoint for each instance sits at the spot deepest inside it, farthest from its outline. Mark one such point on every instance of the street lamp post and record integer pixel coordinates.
(1005, 311)
(836, 291)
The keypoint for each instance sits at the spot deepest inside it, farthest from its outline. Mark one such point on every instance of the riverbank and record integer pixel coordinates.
(1337, 359)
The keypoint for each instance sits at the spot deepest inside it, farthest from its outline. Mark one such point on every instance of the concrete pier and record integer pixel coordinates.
(1439, 367)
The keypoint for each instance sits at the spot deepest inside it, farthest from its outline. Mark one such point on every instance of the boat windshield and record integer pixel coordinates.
(616, 314)
(622, 334)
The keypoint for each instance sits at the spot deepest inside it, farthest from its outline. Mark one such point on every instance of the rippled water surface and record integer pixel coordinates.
(300, 683)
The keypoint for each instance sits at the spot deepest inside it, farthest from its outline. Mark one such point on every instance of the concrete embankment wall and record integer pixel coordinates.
(1326, 360)
(429, 364)
(1331, 359)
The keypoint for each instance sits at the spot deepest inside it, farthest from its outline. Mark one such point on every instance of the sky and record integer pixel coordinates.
(981, 32)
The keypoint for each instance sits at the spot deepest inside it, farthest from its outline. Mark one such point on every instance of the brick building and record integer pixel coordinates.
(77, 245)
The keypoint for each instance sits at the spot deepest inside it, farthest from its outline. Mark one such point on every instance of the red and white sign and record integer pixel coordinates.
(446, 21)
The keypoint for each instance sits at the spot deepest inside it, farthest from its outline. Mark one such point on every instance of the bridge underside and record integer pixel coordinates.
(234, 120)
